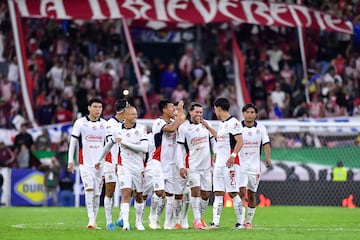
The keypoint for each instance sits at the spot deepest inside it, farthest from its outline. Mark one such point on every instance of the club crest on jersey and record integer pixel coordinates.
(110, 177)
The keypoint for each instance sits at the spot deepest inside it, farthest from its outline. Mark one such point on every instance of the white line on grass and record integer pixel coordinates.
(315, 229)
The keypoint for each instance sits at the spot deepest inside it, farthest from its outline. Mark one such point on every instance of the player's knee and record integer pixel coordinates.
(178, 196)
(252, 197)
(139, 198)
(233, 194)
(159, 193)
(242, 194)
(205, 196)
(109, 194)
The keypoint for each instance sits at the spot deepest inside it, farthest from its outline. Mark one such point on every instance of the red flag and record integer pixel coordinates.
(242, 92)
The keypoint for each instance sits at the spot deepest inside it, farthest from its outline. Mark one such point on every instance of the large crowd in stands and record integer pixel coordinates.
(72, 61)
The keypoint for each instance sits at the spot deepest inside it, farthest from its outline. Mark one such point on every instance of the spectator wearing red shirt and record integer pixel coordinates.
(62, 115)
(268, 80)
(339, 64)
(5, 109)
(7, 157)
(105, 80)
(40, 62)
(109, 99)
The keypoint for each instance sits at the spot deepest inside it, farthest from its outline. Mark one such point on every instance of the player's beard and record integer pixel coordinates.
(197, 119)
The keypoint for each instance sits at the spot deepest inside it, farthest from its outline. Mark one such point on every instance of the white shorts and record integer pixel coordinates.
(169, 172)
(200, 178)
(92, 179)
(148, 186)
(225, 179)
(154, 178)
(109, 172)
(248, 180)
(160, 176)
(180, 184)
(130, 179)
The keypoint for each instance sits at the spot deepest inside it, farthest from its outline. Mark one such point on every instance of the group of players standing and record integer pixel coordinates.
(184, 151)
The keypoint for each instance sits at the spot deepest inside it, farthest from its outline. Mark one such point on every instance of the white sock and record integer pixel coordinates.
(125, 209)
(238, 208)
(195, 205)
(96, 205)
(250, 215)
(120, 215)
(89, 200)
(169, 208)
(139, 209)
(143, 211)
(108, 209)
(155, 200)
(203, 205)
(217, 209)
(177, 210)
(186, 206)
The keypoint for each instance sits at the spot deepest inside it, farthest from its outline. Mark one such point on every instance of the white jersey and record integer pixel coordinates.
(113, 126)
(225, 141)
(151, 149)
(91, 137)
(165, 142)
(196, 140)
(253, 139)
(131, 159)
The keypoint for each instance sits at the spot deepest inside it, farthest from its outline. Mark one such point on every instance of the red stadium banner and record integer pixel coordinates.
(186, 12)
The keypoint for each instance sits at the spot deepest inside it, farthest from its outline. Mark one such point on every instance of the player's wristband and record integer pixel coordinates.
(233, 155)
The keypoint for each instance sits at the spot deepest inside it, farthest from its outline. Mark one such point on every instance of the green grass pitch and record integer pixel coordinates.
(275, 222)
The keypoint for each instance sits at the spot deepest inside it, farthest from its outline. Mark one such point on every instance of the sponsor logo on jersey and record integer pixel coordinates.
(93, 138)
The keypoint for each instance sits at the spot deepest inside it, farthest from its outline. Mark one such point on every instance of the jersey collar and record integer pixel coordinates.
(123, 126)
(87, 118)
(243, 124)
(192, 122)
(117, 120)
(228, 118)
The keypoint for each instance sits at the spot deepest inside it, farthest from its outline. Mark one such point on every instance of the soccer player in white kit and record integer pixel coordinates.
(182, 191)
(195, 141)
(89, 134)
(134, 144)
(228, 144)
(163, 162)
(112, 158)
(255, 137)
